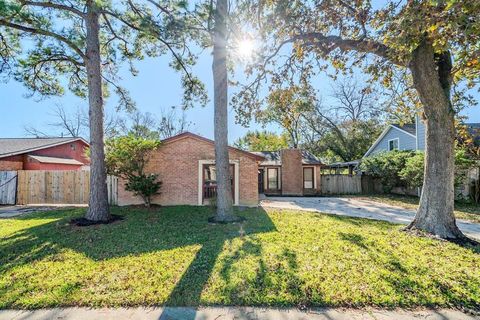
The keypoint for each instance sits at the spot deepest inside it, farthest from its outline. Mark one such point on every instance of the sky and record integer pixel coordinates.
(156, 87)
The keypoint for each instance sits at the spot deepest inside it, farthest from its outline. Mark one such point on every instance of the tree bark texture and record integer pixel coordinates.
(432, 79)
(98, 209)
(220, 81)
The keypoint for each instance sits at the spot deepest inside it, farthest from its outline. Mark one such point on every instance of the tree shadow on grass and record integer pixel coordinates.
(403, 279)
(274, 276)
(141, 232)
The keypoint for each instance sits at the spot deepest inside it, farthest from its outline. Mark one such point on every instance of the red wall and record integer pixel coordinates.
(72, 150)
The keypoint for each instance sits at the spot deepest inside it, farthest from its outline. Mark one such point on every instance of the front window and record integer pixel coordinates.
(210, 181)
(393, 144)
(308, 178)
(272, 177)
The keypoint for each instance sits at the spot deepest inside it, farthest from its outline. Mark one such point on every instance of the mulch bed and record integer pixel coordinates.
(83, 222)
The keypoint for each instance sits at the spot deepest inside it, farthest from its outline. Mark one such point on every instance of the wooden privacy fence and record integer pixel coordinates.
(341, 184)
(59, 187)
(8, 187)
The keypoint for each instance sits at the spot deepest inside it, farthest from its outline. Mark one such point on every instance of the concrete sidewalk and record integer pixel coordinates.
(229, 313)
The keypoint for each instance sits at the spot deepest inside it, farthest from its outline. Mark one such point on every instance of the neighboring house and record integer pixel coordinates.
(396, 137)
(185, 164)
(43, 154)
(289, 172)
(408, 137)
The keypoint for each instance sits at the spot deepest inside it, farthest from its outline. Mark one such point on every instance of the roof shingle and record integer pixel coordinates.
(16, 146)
(273, 158)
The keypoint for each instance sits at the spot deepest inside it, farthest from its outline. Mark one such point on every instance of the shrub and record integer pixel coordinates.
(406, 168)
(127, 157)
(144, 185)
(412, 172)
(386, 166)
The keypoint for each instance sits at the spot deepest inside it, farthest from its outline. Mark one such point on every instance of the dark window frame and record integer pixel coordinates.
(313, 178)
(392, 140)
(277, 187)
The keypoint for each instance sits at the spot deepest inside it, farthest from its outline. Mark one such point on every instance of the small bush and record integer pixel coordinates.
(127, 157)
(144, 185)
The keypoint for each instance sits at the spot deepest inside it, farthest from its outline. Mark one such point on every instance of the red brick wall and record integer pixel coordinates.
(73, 150)
(292, 172)
(177, 162)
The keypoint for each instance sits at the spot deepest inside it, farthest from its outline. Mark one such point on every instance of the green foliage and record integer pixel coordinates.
(48, 43)
(282, 258)
(144, 185)
(285, 107)
(347, 141)
(377, 38)
(406, 168)
(262, 141)
(127, 157)
(412, 172)
(386, 166)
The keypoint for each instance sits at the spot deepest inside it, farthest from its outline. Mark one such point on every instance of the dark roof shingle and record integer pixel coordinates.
(409, 127)
(273, 158)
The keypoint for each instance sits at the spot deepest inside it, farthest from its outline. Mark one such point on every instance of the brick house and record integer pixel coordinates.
(289, 172)
(186, 166)
(43, 154)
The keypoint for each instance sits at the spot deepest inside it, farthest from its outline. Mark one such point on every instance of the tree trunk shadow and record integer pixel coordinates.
(188, 290)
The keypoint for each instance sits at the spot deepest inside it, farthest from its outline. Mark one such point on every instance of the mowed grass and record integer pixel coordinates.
(280, 258)
(463, 210)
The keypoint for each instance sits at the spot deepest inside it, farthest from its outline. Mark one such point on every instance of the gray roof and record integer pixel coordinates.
(273, 158)
(344, 164)
(16, 146)
(473, 128)
(409, 127)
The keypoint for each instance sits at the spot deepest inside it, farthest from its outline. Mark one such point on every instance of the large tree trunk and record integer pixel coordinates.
(220, 81)
(98, 209)
(432, 78)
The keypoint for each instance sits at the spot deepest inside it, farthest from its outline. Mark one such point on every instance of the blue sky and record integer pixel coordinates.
(155, 87)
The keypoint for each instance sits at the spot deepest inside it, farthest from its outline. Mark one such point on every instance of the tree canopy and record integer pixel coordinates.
(262, 141)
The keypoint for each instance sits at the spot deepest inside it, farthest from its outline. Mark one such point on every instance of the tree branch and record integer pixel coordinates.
(44, 33)
(53, 6)
(158, 37)
(330, 43)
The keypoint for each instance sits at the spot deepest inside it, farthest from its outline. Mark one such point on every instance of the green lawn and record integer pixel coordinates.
(281, 258)
(463, 210)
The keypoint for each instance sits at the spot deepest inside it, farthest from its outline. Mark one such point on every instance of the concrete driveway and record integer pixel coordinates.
(355, 207)
(18, 210)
